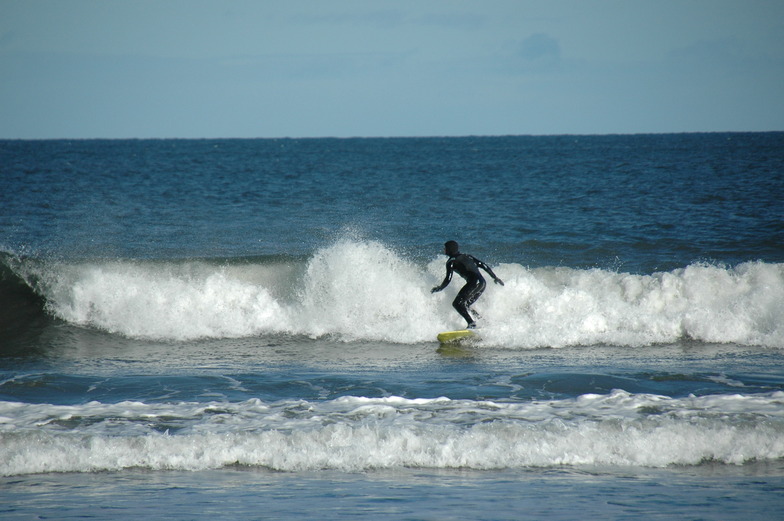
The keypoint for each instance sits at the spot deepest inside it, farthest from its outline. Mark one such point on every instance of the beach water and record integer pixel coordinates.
(192, 329)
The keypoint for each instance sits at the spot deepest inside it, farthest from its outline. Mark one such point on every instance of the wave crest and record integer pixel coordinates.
(357, 433)
(362, 290)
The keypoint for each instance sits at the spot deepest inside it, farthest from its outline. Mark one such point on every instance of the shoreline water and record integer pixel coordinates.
(714, 493)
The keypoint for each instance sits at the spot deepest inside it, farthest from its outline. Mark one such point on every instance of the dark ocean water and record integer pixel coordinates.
(244, 328)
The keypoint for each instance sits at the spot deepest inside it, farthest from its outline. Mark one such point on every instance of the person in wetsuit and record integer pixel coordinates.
(467, 267)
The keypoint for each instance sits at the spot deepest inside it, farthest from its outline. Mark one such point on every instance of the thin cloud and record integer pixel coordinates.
(539, 47)
(385, 19)
(540, 52)
(454, 21)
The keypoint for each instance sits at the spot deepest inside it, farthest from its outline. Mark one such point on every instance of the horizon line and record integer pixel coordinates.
(442, 136)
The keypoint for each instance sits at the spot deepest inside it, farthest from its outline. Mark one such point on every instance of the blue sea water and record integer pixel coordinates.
(245, 329)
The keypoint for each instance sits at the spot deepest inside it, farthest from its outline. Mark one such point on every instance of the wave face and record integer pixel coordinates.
(363, 290)
(356, 433)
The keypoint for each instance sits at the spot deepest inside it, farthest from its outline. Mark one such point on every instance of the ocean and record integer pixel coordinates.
(244, 328)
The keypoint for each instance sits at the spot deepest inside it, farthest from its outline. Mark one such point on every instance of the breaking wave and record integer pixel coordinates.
(362, 290)
(356, 433)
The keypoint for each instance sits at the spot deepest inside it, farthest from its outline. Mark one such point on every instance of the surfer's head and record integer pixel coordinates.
(451, 248)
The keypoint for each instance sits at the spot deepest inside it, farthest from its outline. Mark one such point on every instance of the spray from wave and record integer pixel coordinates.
(363, 291)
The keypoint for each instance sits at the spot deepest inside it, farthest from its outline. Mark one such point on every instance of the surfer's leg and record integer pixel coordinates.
(465, 297)
(461, 308)
(471, 296)
(476, 291)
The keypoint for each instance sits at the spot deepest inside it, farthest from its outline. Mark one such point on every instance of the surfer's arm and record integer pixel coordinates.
(489, 271)
(448, 278)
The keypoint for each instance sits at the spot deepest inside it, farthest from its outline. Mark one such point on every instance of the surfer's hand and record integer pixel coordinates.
(435, 290)
(499, 281)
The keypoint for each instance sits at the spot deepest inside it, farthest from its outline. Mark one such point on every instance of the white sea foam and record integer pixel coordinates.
(562, 306)
(355, 290)
(356, 433)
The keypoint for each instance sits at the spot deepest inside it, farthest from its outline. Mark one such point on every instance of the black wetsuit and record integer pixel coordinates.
(467, 267)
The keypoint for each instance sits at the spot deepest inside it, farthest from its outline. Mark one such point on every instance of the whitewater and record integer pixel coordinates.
(358, 434)
(365, 291)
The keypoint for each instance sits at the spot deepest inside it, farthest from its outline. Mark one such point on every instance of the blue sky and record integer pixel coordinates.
(269, 68)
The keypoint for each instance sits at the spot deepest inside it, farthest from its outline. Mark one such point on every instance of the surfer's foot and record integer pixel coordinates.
(472, 325)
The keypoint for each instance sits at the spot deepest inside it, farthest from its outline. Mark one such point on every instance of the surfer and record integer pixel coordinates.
(468, 268)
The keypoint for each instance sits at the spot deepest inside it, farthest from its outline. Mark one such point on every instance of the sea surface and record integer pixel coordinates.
(244, 329)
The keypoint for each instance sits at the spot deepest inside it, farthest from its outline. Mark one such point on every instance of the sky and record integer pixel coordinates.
(379, 68)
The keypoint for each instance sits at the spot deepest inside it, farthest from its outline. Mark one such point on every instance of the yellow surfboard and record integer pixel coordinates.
(448, 337)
